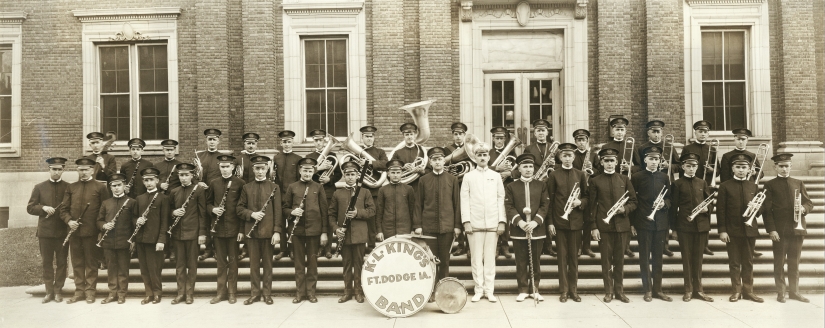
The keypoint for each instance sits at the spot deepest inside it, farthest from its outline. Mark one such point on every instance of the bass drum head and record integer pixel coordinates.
(450, 295)
(398, 277)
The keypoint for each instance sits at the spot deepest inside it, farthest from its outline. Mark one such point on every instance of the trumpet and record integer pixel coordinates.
(514, 142)
(615, 209)
(627, 154)
(660, 201)
(668, 148)
(114, 221)
(753, 208)
(797, 210)
(548, 163)
(587, 165)
(698, 209)
(568, 207)
(712, 153)
(761, 152)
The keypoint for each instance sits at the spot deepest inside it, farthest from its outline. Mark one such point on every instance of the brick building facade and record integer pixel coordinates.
(244, 65)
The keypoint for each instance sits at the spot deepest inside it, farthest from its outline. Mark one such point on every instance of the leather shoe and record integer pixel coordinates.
(90, 298)
(708, 251)
(506, 252)
(121, 299)
(359, 298)
(58, 298)
(206, 254)
(268, 300)
(146, 300)
(278, 256)
(108, 299)
(157, 299)
(756, 254)
(252, 299)
(648, 297)
(48, 298)
(752, 297)
(312, 299)
(702, 296)
(217, 299)
(328, 255)
(232, 298)
(608, 298)
(623, 298)
(667, 252)
(780, 297)
(798, 297)
(190, 299)
(589, 253)
(552, 252)
(735, 297)
(178, 299)
(629, 253)
(663, 297)
(575, 297)
(563, 298)
(74, 299)
(345, 298)
(687, 297)
(297, 299)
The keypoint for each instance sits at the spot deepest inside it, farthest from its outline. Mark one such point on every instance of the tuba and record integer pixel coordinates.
(463, 166)
(514, 142)
(359, 155)
(420, 115)
(326, 157)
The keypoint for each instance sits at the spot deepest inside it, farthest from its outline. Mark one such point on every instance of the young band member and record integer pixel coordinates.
(785, 222)
(410, 151)
(395, 205)
(260, 207)
(526, 202)
(320, 139)
(105, 164)
(567, 226)
(379, 165)
(250, 149)
(150, 239)
(459, 132)
(86, 192)
(701, 147)
(655, 134)
(740, 144)
(586, 160)
(310, 231)
(116, 219)
(189, 232)
(649, 184)
(500, 137)
(134, 184)
(355, 237)
(618, 131)
(734, 197)
(222, 214)
(286, 166)
(483, 216)
(438, 210)
(541, 130)
(688, 192)
(209, 161)
(167, 176)
(45, 202)
(606, 190)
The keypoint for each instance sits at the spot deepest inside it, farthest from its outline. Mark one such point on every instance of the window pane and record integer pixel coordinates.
(547, 113)
(735, 103)
(734, 55)
(316, 101)
(314, 59)
(546, 88)
(712, 55)
(154, 116)
(147, 80)
(535, 93)
(712, 108)
(115, 115)
(337, 63)
(5, 70)
(313, 122)
(509, 92)
(153, 72)
(535, 111)
(498, 116)
(509, 116)
(496, 92)
(5, 119)
(114, 69)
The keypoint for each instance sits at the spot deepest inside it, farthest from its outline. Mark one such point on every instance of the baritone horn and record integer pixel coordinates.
(461, 158)
(325, 157)
(509, 159)
(360, 155)
(420, 115)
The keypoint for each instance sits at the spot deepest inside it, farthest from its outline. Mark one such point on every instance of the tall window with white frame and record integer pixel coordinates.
(724, 78)
(134, 90)
(5, 94)
(325, 65)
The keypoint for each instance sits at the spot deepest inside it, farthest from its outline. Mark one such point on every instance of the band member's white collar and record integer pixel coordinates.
(151, 191)
(609, 172)
(689, 176)
(582, 150)
(168, 159)
(87, 179)
(700, 142)
(567, 167)
(307, 181)
(248, 153)
(212, 150)
(656, 142)
(287, 152)
(739, 179)
(95, 153)
(227, 177)
(412, 146)
(739, 149)
(259, 180)
(651, 171)
(118, 196)
(783, 176)
(58, 180)
(136, 159)
(185, 186)
(525, 180)
(618, 140)
(439, 172)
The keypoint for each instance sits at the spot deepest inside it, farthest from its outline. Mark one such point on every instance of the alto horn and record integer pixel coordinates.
(514, 142)
(324, 156)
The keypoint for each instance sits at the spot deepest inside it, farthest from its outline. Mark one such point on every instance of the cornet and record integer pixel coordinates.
(615, 209)
(660, 200)
(761, 157)
(627, 154)
(712, 153)
(568, 207)
(753, 208)
(797, 209)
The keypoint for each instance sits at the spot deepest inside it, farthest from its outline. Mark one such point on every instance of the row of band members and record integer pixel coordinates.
(300, 210)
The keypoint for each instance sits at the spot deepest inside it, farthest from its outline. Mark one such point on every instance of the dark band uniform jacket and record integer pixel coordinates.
(103, 174)
(329, 187)
(118, 237)
(365, 208)
(379, 165)
(779, 206)
(314, 221)
(209, 161)
(194, 223)
(701, 149)
(77, 195)
(48, 193)
(131, 170)
(725, 170)
(442, 213)
(286, 168)
(687, 193)
(647, 186)
(157, 220)
(166, 167)
(618, 146)
(229, 224)
(612, 187)
(559, 186)
(578, 160)
(395, 210)
(253, 198)
(731, 203)
(515, 202)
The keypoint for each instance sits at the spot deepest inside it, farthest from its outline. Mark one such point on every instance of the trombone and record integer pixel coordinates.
(761, 152)
(712, 153)
(797, 209)
(668, 148)
(627, 155)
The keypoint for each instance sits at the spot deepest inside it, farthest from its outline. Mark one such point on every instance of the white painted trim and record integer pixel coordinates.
(11, 32)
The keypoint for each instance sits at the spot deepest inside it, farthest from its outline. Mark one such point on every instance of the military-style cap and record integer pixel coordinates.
(318, 134)
(784, 157)
(212, 132)
(259, 160)
(395, 164)
(226, 159)
(655, 124)
(84, 162)
(368, 129)
(541, 123)
(251, 136)
(56, 161)
(702, 125)
(137, 142)
(608, 152)
(307, 161)
(185, 168)
(742, 132)
(436, 152)
(691, 158)
(652, 151)
(526, 158)
(581, 133)
(458, 126)
(482, 147)
(567, 147)
(408, 127)
(619, 122)
(169, 143)
(499, 131)
(116, 177)
(95, 135)
(741, 158)
(149, 172)
(286, 134)
(350, 166)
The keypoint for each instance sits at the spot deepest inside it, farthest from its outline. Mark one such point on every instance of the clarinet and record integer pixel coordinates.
(55, 209)
(295, 219)
(132, 180)
(350, 207)
(223, 205)
(65, 241)
(177, 218)
(114, 221)
(145, 213)
(268, 199)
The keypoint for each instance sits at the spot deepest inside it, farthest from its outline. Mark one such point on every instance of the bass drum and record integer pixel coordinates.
(398, 277)
(450, 295)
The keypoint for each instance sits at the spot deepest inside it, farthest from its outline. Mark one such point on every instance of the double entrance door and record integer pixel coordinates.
(515, 100)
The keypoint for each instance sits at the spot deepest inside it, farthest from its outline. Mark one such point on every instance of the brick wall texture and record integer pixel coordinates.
(231, 69)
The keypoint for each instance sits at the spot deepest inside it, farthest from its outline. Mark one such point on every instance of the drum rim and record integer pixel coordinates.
(430, 265)
(450, 280)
